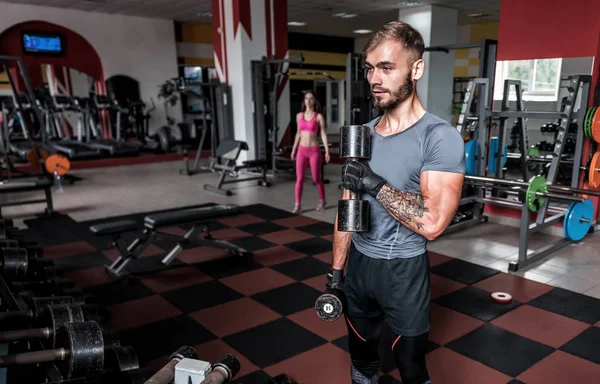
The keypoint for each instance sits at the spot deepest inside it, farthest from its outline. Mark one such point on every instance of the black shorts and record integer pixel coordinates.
(397, 289)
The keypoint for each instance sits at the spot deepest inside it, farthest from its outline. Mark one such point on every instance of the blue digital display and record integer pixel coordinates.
(38, 43)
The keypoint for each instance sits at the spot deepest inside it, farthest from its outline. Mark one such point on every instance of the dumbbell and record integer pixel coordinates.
(49, 319)
(34, 305)
(167, 372)
(7, 230)
(78, 352)
(355, 144)
(57, 285)
(120, 358)
(22, 262)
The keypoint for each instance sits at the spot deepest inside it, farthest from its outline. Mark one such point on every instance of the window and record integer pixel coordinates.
(540, 78)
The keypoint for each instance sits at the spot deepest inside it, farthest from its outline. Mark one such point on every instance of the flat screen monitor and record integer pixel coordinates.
(42, 43)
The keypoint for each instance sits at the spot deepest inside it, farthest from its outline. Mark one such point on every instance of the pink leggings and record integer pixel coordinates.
(303, 157)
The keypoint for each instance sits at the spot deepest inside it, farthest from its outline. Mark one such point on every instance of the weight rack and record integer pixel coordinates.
(579, 85)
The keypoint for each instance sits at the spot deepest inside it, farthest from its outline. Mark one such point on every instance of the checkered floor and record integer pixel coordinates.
(262, 310)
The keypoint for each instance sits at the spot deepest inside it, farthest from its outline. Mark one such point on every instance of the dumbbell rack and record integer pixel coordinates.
(579, 86)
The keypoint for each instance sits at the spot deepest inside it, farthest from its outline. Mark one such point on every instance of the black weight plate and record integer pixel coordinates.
(121, 359)
(84, 344)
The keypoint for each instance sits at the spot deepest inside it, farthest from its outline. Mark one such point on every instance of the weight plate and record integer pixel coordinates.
(501, 297)
(533, 152)
(505, 156)
(578, 220)
(493, 155)
(355, 142)
(32, 157)
(353, 215)
(586, 120)
(594, 171)
(59, 164)
(536, 184)
(329, 306)
(471, 151)
(595, 126)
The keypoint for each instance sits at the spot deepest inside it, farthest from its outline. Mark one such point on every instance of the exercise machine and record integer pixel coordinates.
(225, 163)
(199, 218)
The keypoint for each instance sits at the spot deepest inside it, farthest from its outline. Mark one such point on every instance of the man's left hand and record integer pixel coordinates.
(358, 177)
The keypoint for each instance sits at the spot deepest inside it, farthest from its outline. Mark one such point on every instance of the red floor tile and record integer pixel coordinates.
(202, 254)
(174, 278)
(437, 259)
(325, 364)
(327, 237)
(286, 236)
(68, 249)
(326, 257)
(151, 250)
(276, 255)
(520, 288)
(239, 220)
(317, 282)
(598, 324)
(229, 234)
(329, 330)
(441, 286)
(88, 277)
(295, 221)
(448, 325)
(539, 325)
(448, 367)
(234, 316)
(560, 368)
(135, 313)
(213, 350)
(259, 280)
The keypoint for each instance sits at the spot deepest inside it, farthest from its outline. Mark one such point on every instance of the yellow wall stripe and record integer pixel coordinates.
(461, 71)
(474, 62)
(484, 31)
(323, 58)
(196, 33)
(461, 54)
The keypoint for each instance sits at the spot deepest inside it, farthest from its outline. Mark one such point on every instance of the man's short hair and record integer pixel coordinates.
(401, 32)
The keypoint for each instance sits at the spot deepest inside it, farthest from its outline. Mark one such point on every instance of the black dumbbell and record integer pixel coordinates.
(355, 144)
(78, 352)
(21, 262)
(120, 359)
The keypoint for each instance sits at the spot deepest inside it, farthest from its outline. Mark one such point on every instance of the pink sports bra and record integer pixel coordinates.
(310, 126)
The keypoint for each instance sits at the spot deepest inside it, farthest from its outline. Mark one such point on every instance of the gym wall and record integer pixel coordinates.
(141, 48)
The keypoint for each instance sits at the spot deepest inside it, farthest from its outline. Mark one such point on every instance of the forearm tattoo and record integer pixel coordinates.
(404, 206)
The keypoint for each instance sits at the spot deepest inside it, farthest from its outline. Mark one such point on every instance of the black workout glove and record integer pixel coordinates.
(335, 279)
(358, 177)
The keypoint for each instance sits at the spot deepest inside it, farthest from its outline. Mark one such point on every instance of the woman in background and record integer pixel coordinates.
(306, 149)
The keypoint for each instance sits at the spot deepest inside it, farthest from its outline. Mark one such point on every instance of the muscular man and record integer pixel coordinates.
(413, 183)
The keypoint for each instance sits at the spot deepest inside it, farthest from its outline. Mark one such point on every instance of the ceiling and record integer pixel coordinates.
(317, 14)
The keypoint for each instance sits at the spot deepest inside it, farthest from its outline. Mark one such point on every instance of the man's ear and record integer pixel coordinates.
(418, 69)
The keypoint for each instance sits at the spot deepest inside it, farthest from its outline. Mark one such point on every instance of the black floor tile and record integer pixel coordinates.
(342, 343)
(585, 345)
(318, 229)
(256, 377)
(200, 296)
(262, 228)
(387, 379)
(515, 381)
(150, 264)
(499, 349)
(476, 303)
(266, 212)
(164, 337)
(571, 304)
(289, 299)
(119, 291)
(463, 271)
(252, 243)
(228, 266)
(310, 247)
(89, 260)
(303, 268)
(273, 342)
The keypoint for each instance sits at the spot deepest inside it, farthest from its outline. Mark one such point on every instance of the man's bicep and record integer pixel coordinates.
(442, 192)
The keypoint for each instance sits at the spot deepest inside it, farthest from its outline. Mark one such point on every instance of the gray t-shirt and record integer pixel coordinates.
(431, 144)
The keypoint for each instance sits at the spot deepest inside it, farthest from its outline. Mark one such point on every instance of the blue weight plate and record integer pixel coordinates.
(471, 151)
(578, 220)
(505, 156)
(493, 154)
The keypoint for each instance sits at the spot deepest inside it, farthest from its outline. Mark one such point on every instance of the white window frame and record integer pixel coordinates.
(502, 74)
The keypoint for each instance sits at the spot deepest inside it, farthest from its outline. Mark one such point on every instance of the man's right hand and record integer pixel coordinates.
(335, 279)
(330, 305)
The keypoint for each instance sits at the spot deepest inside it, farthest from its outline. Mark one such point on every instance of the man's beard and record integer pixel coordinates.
(401, 94)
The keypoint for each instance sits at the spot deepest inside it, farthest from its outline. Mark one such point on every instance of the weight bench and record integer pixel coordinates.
(28, 184)
(229, 151)
(198, 217)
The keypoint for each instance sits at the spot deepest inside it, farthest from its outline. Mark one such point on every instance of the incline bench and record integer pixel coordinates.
(27, 184)
(199, 217)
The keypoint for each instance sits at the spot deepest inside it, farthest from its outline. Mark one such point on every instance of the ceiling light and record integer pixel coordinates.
(344, 15)
(362, 31)
(296, 23)
(476, 15)
(204, 14)
(409, 3)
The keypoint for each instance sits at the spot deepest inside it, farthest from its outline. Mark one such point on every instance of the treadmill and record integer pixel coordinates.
(116, 147)
(20, 143)
(73, 149)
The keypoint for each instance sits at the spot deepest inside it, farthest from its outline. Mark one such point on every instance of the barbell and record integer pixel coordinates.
(78, 352)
